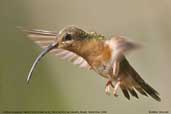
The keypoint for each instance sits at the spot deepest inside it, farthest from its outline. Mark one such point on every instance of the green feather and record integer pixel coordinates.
(94, 35)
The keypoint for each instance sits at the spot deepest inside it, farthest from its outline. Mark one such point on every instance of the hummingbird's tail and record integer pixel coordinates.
(133, 81)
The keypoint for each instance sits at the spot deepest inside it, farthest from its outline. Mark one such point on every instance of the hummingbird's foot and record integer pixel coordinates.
(115, 94)
(109, 83)
(116, 88)
(107, 88)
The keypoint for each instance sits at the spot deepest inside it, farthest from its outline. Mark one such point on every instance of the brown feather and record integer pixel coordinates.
(141, 90)
(139, 84)
(133, 92)
(94, 51)
(125, 91)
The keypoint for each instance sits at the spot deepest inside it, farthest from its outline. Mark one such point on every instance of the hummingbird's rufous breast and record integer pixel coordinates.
(96, 52)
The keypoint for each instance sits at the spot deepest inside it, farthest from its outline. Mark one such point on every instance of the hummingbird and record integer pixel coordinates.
(93, 51)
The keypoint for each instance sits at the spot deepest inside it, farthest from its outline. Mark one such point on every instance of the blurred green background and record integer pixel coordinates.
(59, 85)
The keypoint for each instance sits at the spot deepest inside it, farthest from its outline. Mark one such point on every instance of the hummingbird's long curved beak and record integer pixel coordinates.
(44, 52)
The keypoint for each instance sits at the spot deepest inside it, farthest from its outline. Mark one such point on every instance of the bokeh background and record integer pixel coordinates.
(59, 85)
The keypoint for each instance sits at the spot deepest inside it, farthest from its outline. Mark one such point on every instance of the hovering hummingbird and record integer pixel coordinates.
(92, 51)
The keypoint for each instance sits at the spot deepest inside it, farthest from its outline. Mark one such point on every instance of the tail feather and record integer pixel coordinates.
(141, 91)
(140, 85)
(153, 93)
(133, 92)
(125, 92)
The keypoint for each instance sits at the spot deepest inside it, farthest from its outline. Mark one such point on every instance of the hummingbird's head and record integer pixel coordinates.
(69, 35)
(65, 39)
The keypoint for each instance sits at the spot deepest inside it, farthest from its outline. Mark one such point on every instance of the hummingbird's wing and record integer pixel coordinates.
(132, 81)
(120, 46)
(72, 57)
(43, 38)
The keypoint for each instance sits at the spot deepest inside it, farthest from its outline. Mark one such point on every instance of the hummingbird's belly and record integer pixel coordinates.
(105, 71)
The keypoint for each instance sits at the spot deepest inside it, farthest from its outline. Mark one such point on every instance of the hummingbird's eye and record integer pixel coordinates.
(68, 37)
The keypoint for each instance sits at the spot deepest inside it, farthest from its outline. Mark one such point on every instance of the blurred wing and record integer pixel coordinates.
(72, 57)
(122, 45)
(43, 38)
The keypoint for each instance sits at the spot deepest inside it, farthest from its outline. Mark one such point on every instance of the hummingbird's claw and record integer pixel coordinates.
(109, 83)
(116, 88)
(107, 88)
(115, 94)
